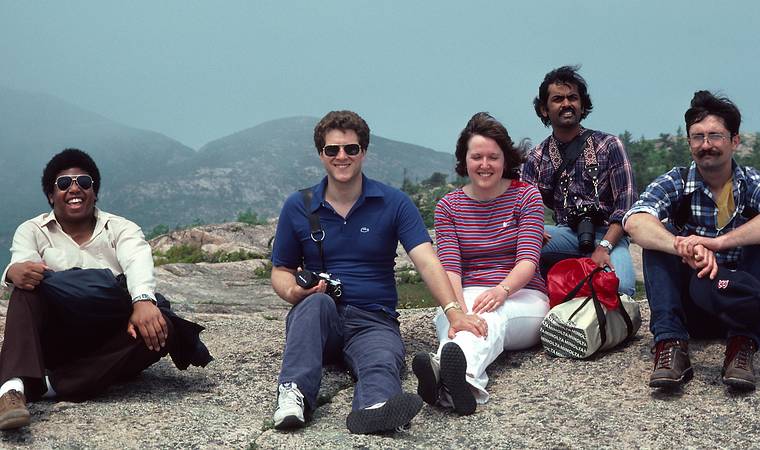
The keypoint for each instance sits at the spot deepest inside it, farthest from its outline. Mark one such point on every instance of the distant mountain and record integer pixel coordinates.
(153, 179)
(36, 126)
(258, 167)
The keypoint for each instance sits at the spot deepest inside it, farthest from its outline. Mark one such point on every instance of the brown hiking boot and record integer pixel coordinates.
(672, 367)
(13, 412)
(738, 371)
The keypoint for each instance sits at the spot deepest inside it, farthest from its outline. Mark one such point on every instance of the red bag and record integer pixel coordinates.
(576, 277)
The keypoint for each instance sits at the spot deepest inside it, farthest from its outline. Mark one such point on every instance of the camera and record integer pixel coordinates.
(308, 279)
(583, 220)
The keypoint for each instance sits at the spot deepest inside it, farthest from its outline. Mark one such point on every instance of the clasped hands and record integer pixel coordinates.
(698, 252)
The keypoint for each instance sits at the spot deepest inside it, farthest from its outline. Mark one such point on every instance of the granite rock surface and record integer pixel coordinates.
(536, 401)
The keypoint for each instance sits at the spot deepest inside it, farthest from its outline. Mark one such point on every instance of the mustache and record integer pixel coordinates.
(569, 108)
(708, 152)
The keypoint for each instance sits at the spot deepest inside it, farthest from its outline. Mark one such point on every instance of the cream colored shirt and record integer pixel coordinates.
(116, 243)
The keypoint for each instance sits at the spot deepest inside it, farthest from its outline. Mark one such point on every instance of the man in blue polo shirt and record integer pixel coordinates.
(360, 223)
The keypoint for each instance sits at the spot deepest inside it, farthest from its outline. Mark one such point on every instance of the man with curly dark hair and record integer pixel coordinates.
(584, 177)
(701, 241)
(347, 228)
(72, 333)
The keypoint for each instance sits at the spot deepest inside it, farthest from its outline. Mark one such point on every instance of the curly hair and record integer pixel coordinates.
(567, 75)
(341, 120)
(71, 157)
(483, 124)
(705, 103)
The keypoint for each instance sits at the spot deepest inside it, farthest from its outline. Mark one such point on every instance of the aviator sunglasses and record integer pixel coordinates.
(334, 149)
(83, 181)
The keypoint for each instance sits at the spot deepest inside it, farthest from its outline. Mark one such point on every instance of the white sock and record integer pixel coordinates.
(375, 406)
(12, 384)
(50, 393)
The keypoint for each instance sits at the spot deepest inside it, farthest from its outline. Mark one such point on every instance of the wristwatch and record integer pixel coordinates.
(604, 243)
(452, 305)
(144, 298)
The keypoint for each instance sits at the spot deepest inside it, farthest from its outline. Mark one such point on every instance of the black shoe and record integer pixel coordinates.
(426, 369)
(396, 413)
(453, 378)
(672, 366)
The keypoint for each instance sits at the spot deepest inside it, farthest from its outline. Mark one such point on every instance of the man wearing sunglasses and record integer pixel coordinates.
(65, 346)
(700, 236)
(359, 223)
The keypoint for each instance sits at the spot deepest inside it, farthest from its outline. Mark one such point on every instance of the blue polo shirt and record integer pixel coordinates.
(359, 250)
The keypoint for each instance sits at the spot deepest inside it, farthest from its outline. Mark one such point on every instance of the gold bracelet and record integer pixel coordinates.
(451, 305)
(506, 289)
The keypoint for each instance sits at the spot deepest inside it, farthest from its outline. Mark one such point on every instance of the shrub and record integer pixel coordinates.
(250, 217)
(186, 253)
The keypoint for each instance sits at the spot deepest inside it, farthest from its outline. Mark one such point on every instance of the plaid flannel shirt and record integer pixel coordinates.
(617, 189)
(662, 198)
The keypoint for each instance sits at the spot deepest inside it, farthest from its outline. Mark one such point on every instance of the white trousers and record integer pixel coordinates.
(513, 326)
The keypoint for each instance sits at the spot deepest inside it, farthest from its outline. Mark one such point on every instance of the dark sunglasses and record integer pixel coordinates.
(334, 149)
(83, 181)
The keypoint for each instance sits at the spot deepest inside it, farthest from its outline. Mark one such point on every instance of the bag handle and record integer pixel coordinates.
(601, 318)
(571, 295)
(626, 317)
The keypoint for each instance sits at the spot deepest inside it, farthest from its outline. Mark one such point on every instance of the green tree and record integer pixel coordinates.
(250, 217)
(437, 179)
(158, 230)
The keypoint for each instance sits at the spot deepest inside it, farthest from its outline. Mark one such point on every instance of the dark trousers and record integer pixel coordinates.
(81, 359)
(369, 342)
(674, 314)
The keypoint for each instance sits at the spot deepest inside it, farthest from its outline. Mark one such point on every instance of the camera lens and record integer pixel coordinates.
(586, 235)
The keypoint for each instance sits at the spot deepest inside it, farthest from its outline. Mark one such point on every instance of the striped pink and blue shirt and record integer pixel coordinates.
(483, 241)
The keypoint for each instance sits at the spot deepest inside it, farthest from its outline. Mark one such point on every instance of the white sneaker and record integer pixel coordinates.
(290, 405)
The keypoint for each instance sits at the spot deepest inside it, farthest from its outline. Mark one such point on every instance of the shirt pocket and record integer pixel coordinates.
(59, 260)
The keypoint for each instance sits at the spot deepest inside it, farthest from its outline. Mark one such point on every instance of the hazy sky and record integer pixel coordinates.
(416, 70)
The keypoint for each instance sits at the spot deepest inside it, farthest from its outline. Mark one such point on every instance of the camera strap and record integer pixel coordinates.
(569, 156)
(315, 228)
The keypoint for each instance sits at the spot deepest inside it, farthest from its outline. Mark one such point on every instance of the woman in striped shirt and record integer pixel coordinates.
(489, 235)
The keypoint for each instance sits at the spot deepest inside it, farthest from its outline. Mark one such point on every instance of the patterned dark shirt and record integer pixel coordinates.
(617, 189)
(662, 200)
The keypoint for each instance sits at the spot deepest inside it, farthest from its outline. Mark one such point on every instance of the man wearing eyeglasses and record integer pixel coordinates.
(59, 345)
(349, 226)
(699, 232)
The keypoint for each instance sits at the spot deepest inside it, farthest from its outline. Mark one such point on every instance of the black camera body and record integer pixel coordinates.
(583, 220)
(308, 279)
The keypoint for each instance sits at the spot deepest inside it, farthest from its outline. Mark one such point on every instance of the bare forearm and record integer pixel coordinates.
(650, 233)
(614, 233)
(747, 234)
(432, 273)
(283, 281)
(456, 285)
(519, 276)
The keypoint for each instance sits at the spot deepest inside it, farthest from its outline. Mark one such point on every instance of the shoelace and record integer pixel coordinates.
(14, 399)
(291, 397)
(665, 355)
(744, 354)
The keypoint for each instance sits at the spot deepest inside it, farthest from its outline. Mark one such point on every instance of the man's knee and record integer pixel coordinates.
(319, 302)
(314, 307)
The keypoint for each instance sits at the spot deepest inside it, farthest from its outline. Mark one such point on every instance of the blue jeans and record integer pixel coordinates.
(674, 315)
(318, 332)
(564, 244)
